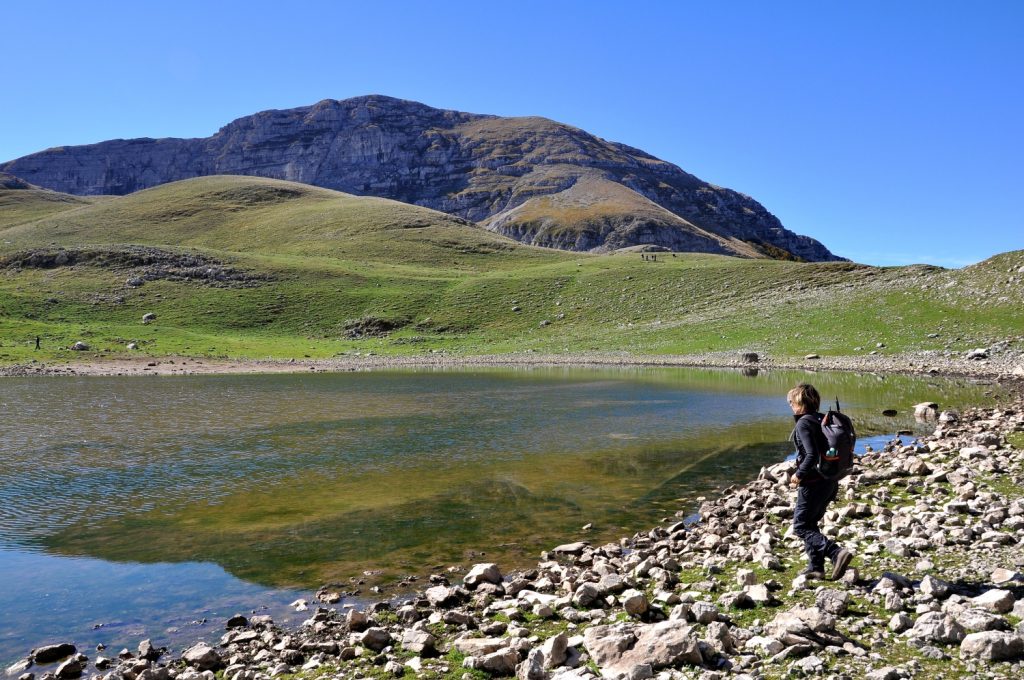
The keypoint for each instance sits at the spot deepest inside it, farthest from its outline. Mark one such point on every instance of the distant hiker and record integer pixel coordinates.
(814, 492)
(37, 342)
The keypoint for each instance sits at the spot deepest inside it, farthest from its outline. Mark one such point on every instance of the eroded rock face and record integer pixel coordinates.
(533, 179)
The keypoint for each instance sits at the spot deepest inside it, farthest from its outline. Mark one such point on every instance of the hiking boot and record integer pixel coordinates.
(840, 563)
(814, 573)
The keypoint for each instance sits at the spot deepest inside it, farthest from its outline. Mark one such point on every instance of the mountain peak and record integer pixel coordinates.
(532, 178)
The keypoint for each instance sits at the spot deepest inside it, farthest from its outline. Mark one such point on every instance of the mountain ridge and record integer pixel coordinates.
(480, 167)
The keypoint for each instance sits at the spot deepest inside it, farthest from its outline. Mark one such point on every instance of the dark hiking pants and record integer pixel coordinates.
(811, 502)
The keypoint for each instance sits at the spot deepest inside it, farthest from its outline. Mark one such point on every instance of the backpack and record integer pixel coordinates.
(837, 427)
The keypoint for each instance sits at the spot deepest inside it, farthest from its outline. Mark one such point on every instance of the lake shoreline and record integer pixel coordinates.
(1005, 365)
(937, 587)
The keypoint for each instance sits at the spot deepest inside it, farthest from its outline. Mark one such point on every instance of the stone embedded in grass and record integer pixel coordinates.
(746, 577)
(148, 317)
(832, 601)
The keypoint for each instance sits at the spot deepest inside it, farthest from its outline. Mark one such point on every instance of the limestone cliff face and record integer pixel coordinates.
(534, 179)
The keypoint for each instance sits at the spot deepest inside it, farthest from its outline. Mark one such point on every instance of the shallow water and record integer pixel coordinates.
(143, 505)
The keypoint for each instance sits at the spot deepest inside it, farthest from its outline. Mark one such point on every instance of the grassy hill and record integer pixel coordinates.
(248, 267)
(22, 202)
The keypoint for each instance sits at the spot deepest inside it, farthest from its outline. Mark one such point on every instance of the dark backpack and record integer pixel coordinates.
(837, 427)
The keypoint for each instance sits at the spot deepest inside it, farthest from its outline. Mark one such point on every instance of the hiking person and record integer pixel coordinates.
(37, 342)
(814, 492)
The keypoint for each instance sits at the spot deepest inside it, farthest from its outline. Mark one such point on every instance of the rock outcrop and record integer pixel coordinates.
(533, 179)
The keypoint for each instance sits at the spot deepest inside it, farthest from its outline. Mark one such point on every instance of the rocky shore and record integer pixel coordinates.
(1002, 361)
(935, 591)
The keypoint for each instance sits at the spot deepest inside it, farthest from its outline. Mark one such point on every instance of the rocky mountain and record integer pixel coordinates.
(534, 179)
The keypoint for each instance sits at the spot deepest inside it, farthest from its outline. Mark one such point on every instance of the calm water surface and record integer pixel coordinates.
(138, 507)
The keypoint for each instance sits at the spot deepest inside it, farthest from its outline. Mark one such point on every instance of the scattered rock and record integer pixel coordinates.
(483, 573)
(202, 657)
(72, 668)
(375, 639)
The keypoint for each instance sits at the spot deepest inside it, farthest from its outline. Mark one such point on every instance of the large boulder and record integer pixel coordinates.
(478, 646)
(483, 573)
(992, 645)
(977, 620)
(586, 595)
(420, 642)
(635, 603)
(444, 596)
(375, 638)
(501, 663)
(51, 653)
(937, 627)
(532, 668)
(832, 601)
(607, 644)
(72, 668)
(619, 650)
(995, 600)
(937, 588)
(555, 650)
(202, 657)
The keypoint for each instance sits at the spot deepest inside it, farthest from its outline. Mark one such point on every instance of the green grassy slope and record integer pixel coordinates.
(22, 202)
(326, 273)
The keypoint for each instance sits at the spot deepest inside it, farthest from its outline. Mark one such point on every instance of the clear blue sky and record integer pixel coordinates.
(891, 131)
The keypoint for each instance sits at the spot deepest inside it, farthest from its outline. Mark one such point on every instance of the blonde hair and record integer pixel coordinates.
(806, 397)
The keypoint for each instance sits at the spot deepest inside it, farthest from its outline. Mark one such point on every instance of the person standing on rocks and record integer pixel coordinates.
(814, 492)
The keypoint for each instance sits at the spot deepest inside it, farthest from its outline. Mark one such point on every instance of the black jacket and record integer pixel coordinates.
(810, 444)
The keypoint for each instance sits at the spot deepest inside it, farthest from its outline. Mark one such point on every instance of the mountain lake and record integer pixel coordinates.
(157, 507)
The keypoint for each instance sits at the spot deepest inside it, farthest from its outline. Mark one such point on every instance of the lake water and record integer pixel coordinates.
(138, 507)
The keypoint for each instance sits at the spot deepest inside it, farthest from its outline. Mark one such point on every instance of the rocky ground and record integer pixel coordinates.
(999, 361)
(935, 591)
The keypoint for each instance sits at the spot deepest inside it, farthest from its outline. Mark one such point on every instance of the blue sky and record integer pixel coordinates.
(891, 131)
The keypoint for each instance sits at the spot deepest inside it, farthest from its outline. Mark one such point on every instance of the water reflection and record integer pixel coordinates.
(291, 481)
